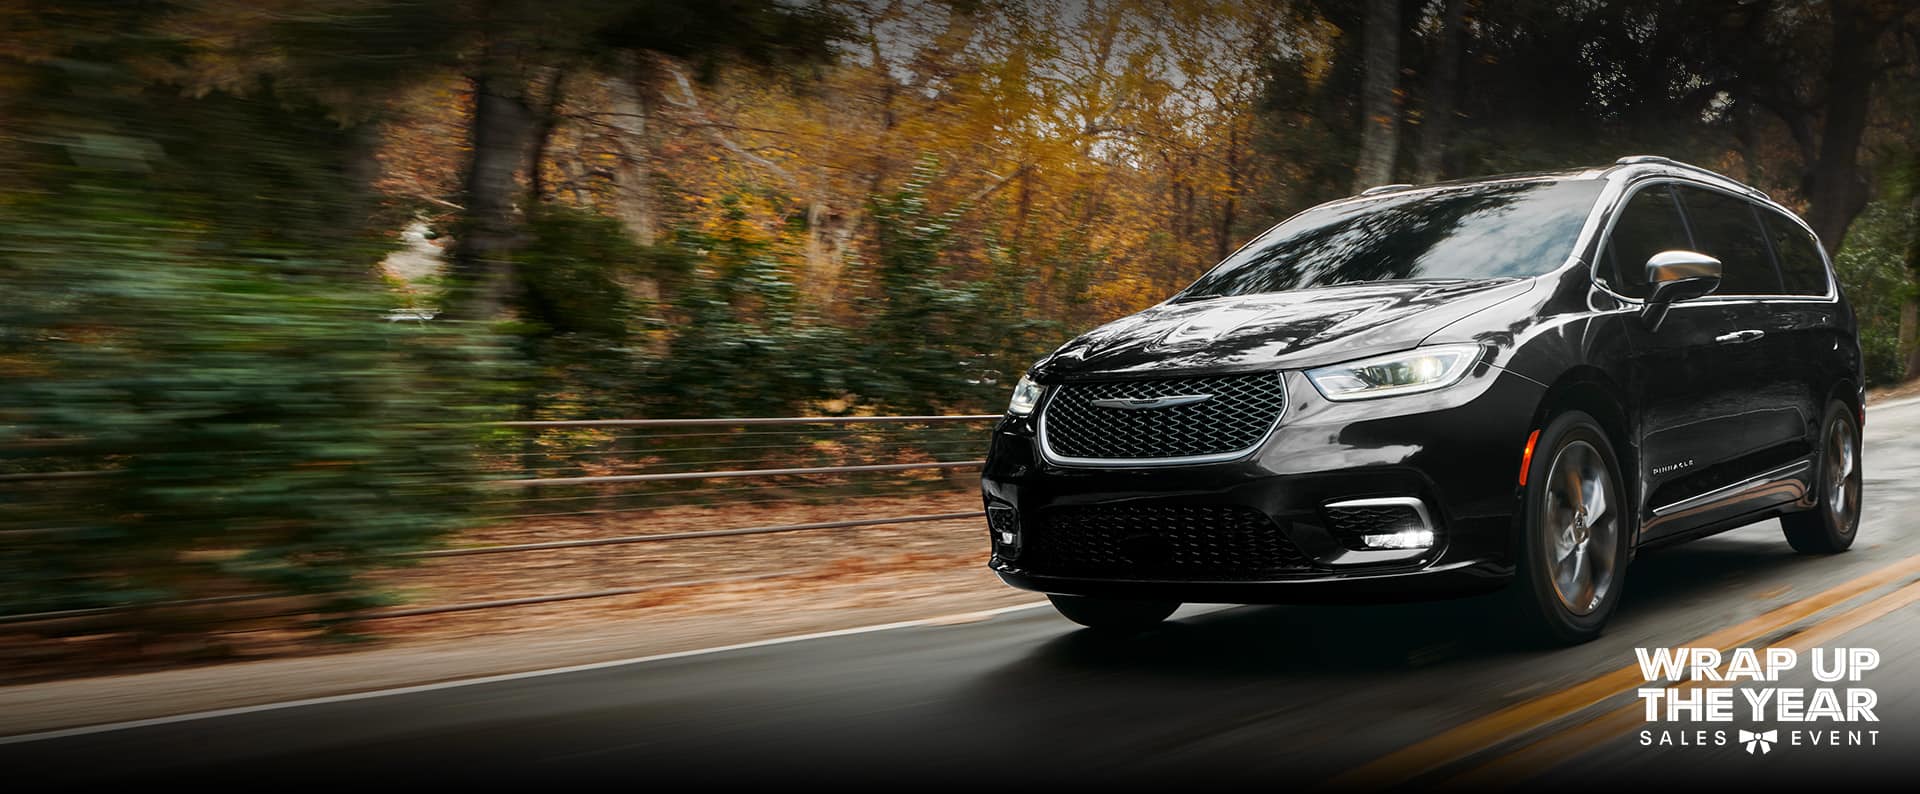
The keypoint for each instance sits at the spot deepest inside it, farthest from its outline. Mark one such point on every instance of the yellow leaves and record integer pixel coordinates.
(1318, 40)
(1106, 143)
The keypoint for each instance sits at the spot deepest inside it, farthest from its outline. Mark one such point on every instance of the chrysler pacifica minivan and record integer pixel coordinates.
(1516, 382)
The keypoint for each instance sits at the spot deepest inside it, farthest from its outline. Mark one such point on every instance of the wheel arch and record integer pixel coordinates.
(1849, 394)
(1590, 389)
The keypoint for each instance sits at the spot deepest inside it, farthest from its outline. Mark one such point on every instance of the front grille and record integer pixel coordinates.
(1240, 411)
(1173, 542)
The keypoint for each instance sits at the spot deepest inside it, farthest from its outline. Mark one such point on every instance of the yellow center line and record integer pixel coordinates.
(1481, 734)
(1539, 756)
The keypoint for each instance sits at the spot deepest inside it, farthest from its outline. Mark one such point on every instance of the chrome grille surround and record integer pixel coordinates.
(1243, 411)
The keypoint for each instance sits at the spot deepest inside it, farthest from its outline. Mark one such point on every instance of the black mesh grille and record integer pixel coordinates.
(1350, 524)
(1176, 542)
(1373, 520)
(1240, 412)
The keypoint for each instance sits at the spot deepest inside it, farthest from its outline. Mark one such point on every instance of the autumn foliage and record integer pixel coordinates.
(211, 209)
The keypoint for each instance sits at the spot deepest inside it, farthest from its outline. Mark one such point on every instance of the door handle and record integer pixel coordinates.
(1739, 336)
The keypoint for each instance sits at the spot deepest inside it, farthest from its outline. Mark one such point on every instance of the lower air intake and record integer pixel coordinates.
(1219, 542)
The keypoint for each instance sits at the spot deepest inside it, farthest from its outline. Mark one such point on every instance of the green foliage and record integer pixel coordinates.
(191, 308)
(1309, 131)
(571, 275)
(1873, 271)
(737, 346)
(934, 342)
(577, 314)
(735, 339)
(1010, 333)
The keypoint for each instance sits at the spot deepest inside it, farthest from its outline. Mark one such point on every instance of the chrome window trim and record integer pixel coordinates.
(1637, 184)
(1826, 259)
(1069, 461)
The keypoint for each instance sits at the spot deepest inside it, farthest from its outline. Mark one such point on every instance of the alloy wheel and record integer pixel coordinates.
(1842, 474)
(1581, 524)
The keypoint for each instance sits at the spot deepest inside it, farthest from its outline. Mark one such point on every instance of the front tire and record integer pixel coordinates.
(1111, 614)
(1829, 528)
(1575, 533)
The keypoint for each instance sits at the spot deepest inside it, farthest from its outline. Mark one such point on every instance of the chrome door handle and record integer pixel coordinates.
(1739, 336)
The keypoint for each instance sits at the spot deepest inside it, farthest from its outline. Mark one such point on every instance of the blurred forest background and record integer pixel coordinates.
(270, 262)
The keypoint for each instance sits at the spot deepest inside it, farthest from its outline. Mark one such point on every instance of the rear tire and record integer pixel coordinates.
(1574, 534)
(1113, 615)
(1830, 527)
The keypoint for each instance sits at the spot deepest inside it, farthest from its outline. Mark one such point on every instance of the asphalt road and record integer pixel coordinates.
(1430, 693)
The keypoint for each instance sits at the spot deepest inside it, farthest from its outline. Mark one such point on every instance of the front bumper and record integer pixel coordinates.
(1436, 581)
(1457, 450)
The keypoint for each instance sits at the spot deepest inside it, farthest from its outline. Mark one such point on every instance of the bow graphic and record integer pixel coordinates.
(1763, 740)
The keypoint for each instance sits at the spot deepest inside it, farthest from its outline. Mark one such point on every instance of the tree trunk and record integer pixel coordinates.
(1230, 207)
(363, 171)
(1379, 119)
(633, 174)
(544, 125)
(1909, 339)
(1022, 210)
(503, 128)
(1909, 328)
(1442, 90)
(826, 246)
(1836, 190)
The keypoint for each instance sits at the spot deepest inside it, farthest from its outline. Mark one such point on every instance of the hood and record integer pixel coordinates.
(1292, 329)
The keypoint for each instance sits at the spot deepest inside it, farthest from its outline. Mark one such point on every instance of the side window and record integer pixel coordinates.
(1727, 228)
(1799, 256)
(1649, 223)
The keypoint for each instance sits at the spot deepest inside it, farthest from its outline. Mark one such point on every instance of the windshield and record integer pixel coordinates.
(1487, 230)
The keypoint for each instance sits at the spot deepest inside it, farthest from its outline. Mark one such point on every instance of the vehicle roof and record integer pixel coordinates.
(1624, 169)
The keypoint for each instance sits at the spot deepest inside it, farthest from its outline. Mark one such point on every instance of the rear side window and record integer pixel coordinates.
(1727, 228)
(1649, 223)
(1799, 256)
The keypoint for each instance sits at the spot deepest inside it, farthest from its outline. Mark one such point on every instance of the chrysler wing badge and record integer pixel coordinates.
(1144, 403)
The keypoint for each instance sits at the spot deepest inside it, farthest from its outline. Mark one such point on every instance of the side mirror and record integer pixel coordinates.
(1681, 275)
(1677, 276)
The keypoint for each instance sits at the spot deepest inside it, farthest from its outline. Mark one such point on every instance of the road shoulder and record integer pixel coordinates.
(56, 705)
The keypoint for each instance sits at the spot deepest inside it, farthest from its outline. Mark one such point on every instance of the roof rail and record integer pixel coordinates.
(1654, 159)
(1377, 189)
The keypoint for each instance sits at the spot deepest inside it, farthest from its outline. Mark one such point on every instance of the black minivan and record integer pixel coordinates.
(1443, 390)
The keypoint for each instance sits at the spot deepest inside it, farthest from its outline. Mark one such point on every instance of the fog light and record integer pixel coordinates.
(1003, 525)
(1386, 523)
(1404, 539)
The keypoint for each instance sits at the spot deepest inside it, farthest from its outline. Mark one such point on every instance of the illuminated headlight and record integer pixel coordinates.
(1419, 370)
(1026, 395)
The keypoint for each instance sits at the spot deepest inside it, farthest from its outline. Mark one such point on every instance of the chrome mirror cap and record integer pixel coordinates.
(1679, 265)
(1680, 275)
(1674, 276)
